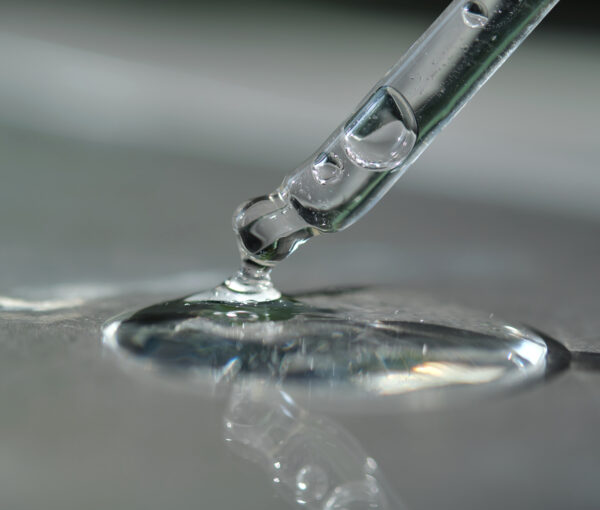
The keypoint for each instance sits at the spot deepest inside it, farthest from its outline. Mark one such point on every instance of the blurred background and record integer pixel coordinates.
(129, 132)
(113, 110)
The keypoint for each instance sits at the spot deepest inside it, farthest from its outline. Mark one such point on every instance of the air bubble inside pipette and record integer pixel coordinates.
(382, 133)
(327, 168)
(245, 325)
(474, 15)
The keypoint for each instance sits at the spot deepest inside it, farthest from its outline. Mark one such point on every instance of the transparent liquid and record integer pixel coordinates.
(327, 168)
(374, 342)
(245, 326)
(335, 186)
(474, 15)
(383, 132)
(395, 123)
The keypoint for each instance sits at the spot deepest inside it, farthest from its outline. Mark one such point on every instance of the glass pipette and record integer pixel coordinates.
(376, 144)
(391, 128)
(246, 327)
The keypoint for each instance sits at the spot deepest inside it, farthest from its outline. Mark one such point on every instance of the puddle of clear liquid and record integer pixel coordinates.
(371, 341)
(269, 229)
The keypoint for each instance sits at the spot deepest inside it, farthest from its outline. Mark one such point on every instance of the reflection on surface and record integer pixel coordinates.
(273, 419)
(58, 297)
(312, 461)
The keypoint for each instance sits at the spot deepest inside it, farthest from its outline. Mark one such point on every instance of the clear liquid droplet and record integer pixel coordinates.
(269, 229)
(474, 15)
(327, 168)
(251, 284)
(383, 132)
(310, 338)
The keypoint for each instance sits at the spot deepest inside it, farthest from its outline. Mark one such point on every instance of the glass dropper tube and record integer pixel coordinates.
(390, 129)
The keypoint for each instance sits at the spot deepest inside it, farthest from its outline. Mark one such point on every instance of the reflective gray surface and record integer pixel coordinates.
(99, 215)
(81, 430)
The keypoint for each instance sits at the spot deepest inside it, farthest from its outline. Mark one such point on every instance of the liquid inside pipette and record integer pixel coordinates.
(323, 195)
(396, 122)
(335, 186)
(382, 344)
